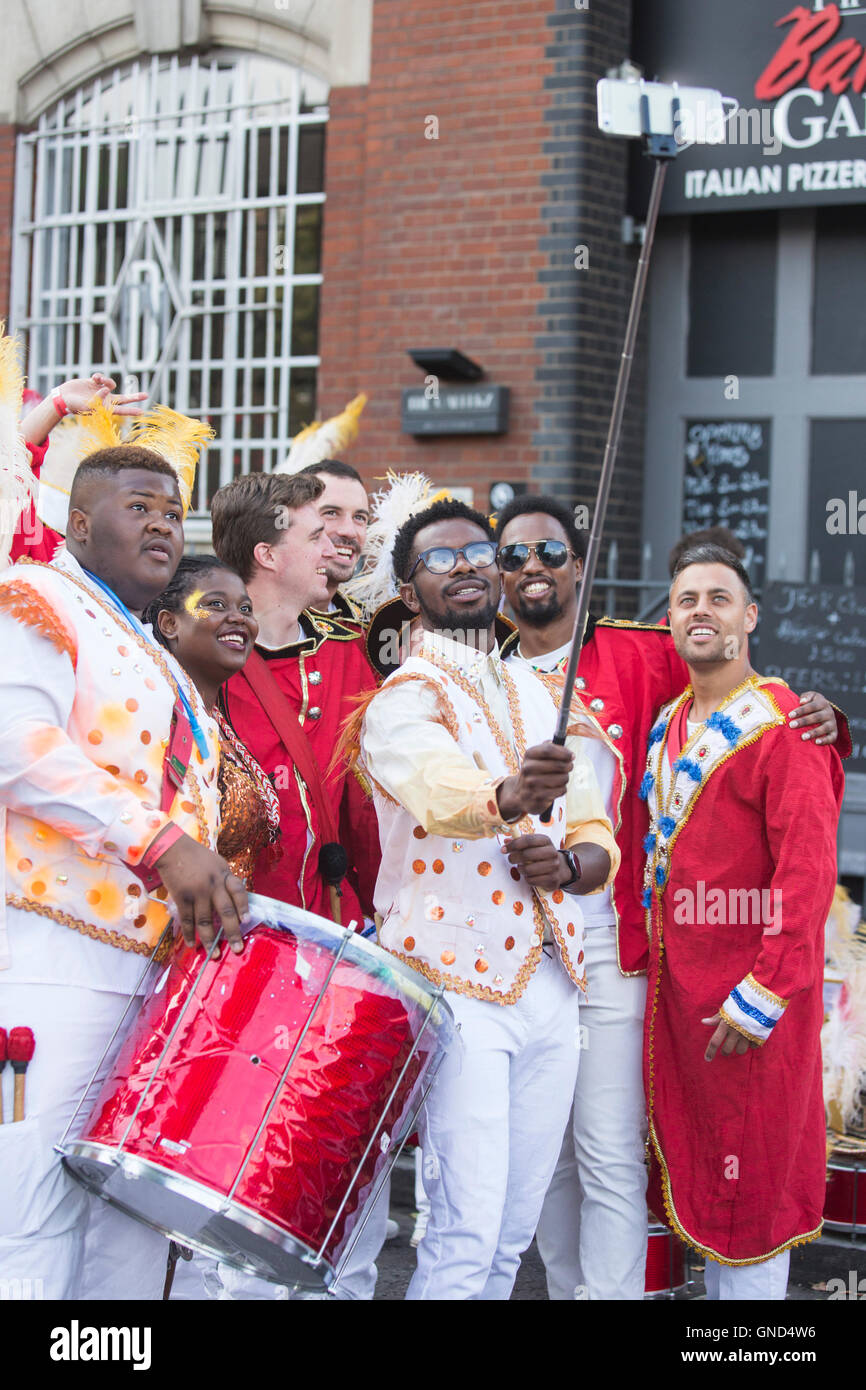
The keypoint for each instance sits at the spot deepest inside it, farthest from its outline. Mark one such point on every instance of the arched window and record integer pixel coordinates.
(168, 227)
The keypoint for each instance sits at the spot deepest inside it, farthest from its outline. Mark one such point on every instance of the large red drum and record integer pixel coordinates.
(258, 1100)
(845, 1204)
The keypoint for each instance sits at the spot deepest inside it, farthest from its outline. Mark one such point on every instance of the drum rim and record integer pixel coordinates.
(358, 946)
(135, 1166)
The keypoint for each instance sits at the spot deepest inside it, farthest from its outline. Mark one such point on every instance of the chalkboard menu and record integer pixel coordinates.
(814, 637)
(727, 483)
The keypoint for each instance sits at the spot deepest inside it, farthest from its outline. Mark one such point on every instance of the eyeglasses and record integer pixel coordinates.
(441, 559)
(553, 554)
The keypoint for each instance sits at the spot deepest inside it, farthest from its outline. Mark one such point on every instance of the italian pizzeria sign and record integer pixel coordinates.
(798, 136)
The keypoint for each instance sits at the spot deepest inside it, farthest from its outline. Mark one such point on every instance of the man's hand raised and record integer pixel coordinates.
(542, 778)
(204, 889)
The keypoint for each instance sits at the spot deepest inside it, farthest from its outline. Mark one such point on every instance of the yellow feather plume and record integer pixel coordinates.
(95, 428)
(11, 376)
(178, 439)
(16, 477)
(324, 439)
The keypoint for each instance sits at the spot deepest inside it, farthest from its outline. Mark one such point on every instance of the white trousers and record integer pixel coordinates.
(205, 1277)
(592, 1234)
(57, 1242)
(764, 1282)
(492, 1130)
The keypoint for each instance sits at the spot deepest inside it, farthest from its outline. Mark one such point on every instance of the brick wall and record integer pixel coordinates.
(468, 241)
(437, 242)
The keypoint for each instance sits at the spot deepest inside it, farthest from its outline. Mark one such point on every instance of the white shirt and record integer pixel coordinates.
(597, 907)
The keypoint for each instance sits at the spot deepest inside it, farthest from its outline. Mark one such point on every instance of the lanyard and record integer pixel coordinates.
(197, 730)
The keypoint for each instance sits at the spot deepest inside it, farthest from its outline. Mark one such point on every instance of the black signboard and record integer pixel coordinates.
(726, 482)
(799, 75)
(470, 409)
(814, 637)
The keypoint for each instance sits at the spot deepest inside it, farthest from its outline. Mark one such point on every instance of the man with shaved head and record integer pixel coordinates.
(108, 790)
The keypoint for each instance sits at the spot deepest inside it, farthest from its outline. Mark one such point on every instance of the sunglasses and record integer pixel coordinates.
(553, 554)
(441, 559)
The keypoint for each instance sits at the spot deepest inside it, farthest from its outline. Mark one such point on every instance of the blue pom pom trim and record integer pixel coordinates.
(646, 897)
(689, 766)
(667, 825)
(725, 726)
(660, 875)
(646, 786)
(656, 734)
(649, 842)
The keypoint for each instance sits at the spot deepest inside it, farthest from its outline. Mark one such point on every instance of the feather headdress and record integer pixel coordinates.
(406, 494)
(176, 438)
(179, 439)
(324, 439)
(71, 441)
(17, 484)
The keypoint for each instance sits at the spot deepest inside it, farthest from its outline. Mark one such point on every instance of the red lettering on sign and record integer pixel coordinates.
(792, 62)
(830, 70)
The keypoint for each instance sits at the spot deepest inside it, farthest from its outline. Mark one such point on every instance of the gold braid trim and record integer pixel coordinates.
(109, 938)
(554, 683)
(738, 1028)
(632, 624)
(26, 605)
(348, 746)
(461, 986)
(766, 993)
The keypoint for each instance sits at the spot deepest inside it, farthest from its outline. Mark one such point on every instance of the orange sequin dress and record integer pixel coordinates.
(249, 808)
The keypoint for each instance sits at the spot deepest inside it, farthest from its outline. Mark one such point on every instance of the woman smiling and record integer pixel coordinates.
(205, 618)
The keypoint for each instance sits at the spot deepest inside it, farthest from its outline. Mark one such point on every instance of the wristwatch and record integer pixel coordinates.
(573, 863)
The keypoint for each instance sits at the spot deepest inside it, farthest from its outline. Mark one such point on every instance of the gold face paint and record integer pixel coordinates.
(191, 603)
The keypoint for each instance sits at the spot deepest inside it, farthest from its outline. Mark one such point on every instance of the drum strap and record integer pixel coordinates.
(293, 739)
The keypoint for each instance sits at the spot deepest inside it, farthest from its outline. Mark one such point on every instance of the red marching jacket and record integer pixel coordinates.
(321, 678)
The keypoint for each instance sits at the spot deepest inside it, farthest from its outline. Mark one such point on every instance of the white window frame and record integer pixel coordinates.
(189, 132)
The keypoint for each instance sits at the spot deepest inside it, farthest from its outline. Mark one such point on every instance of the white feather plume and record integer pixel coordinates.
(406, 494)
(843, 1044)
(843, 1036)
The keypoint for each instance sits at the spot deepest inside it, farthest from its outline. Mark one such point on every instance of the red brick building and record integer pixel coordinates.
(461, 181)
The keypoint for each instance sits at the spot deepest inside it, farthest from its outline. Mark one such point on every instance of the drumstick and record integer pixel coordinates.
(2, 1065)
(20, 1048)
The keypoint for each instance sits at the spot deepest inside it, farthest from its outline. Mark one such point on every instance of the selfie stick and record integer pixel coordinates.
(661, 148)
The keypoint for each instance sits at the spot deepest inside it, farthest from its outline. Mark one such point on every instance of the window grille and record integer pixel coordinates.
(168, 227)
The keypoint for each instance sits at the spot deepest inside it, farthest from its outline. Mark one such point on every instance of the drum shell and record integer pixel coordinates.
(199, 1076)
(845, 1203)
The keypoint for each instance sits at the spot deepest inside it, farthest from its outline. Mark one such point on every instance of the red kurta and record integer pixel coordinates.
(325, 672)
(739, 1143)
